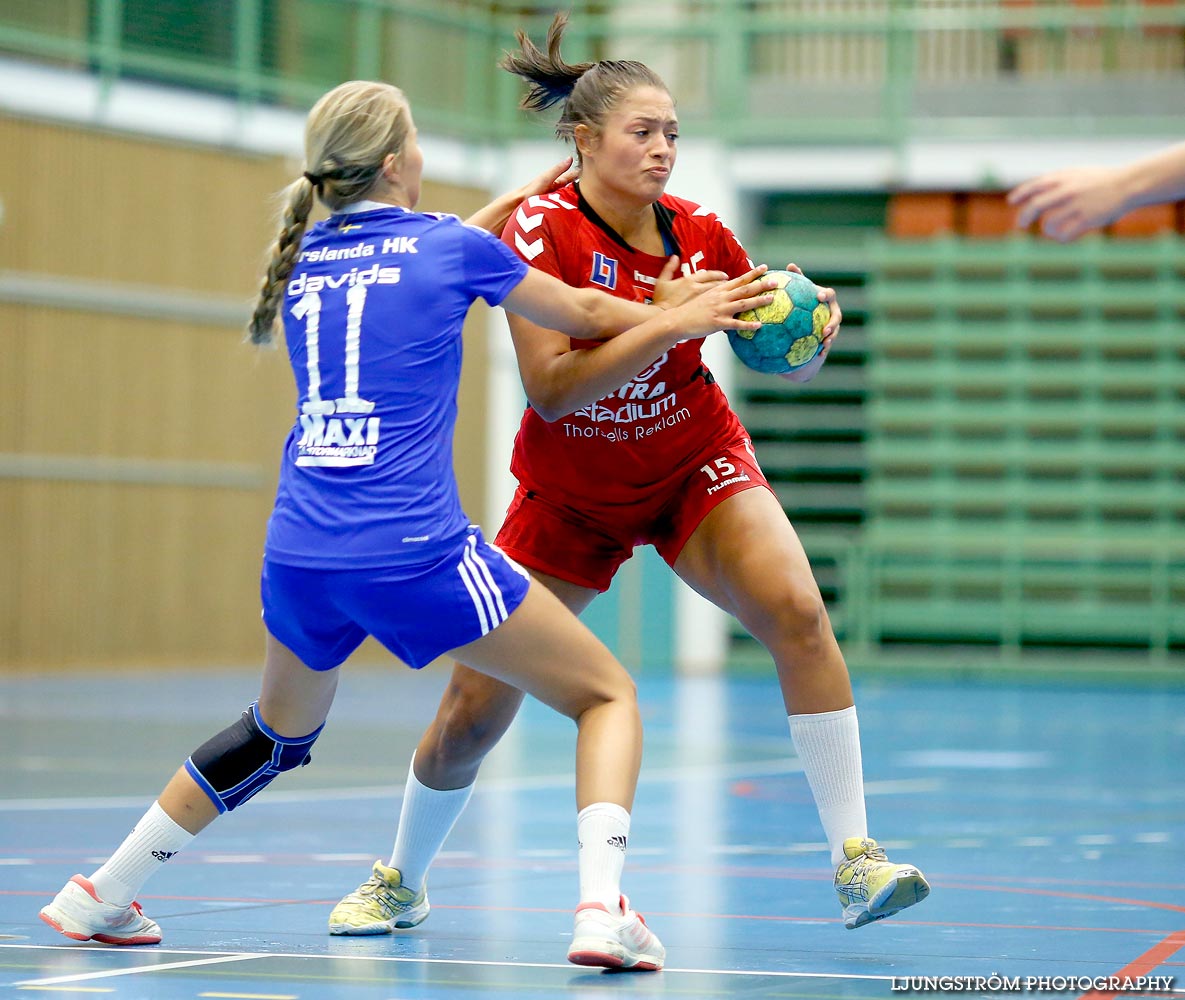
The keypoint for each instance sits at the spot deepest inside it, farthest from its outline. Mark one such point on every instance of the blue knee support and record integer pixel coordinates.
(244, 759)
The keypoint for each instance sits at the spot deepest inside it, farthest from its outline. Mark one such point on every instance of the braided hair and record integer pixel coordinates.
(349, 133)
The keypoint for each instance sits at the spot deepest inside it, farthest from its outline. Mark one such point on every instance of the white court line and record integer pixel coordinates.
(85, 977)
(754, 769)
(404, 960)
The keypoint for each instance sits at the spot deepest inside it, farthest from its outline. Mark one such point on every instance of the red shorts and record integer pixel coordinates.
(586, 545)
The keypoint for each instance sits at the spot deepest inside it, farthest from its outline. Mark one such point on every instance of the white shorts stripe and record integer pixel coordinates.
(487, 596)
(482, 569)
(479, 603)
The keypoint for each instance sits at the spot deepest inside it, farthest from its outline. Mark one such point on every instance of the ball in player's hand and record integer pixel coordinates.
(791, 334)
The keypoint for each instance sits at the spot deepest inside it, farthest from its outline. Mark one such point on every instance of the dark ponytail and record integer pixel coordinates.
(549, 79)
(589, 91)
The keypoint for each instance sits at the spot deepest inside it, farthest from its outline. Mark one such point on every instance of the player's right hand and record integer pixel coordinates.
(673, 289)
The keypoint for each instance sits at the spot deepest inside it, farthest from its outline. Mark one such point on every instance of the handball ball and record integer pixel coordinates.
(792, 327)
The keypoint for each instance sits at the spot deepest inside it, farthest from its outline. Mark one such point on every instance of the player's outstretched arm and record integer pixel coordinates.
(1067, 203)
(559, 380)
(589, 314)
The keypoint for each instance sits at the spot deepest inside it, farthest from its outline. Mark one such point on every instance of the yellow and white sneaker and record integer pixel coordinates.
(379, 905)
(871, 887)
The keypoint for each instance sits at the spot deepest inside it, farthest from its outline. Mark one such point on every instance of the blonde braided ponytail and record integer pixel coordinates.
(349, 132)
(298, 203)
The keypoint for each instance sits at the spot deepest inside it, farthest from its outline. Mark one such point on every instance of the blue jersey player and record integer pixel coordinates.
(368, 537)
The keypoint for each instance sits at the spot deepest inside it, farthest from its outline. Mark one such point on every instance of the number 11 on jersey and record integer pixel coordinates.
(328, 436)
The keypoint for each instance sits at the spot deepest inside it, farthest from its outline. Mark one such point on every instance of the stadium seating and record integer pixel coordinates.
(1024, 443)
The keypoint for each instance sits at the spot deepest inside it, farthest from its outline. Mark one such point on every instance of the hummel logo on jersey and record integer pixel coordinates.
(530, 217)
(604, 271)
(529, 250)
(617, 841)
(163, 855)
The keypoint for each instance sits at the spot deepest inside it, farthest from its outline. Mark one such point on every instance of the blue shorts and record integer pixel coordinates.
(417, 612)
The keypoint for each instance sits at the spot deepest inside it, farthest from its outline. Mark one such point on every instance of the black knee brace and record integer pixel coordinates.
(244, 758)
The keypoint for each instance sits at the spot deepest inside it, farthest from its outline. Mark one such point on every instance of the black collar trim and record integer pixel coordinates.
(663, 215)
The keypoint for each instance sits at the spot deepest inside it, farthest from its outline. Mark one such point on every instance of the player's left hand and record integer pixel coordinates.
(494, 216)
(552, 179)
(827, 296)
(830, 332)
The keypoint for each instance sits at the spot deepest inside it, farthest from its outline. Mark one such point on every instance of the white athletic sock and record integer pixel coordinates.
(425, 820)
(153, 840)
(828, 744)
(602, 832)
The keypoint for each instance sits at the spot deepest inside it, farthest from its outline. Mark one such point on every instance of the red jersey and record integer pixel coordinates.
(668, 415)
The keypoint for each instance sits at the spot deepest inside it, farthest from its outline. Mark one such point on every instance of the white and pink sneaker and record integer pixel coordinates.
(614, 940)
(79, 913)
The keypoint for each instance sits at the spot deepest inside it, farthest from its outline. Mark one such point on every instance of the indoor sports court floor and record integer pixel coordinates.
(1048, 815)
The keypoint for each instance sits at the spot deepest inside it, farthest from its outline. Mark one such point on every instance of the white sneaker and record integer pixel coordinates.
(614, 941)
(79, 913)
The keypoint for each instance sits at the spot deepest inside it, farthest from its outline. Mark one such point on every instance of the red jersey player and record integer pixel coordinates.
(625, 445)
(666, 431)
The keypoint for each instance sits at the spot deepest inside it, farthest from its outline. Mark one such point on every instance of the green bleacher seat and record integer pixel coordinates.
(1025, 444)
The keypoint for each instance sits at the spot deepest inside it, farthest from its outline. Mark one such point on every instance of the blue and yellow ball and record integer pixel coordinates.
(792, 327)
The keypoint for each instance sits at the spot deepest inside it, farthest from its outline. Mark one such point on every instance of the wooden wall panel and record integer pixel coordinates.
(123, 575)
(118, 386)
(103, 565)
(133, 210)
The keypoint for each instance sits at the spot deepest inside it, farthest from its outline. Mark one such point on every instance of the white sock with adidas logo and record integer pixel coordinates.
(154, 840)
(828, 745)
(603, 831)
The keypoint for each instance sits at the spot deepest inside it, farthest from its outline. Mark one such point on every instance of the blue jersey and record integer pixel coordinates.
(372, 318)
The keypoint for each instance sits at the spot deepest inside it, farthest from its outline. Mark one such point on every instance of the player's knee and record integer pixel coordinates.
(470, 737)
(793, 612)
(245, 758)
(470, 724)
(621, 687)
(614, 688)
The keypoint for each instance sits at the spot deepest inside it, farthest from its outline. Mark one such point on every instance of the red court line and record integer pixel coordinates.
(1062, 894)
(1016, 890)
(1142, 966)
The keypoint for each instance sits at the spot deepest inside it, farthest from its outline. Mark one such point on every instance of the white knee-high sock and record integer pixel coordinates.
(153, 840)
(425, 821)
(828, 744)
(602, 831)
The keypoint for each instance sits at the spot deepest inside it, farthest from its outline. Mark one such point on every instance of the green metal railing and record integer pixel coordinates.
(746, 71)
(1023, 447)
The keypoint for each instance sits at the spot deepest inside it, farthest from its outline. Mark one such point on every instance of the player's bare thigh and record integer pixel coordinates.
(744, 551)
(487, 697)
(476, 710)
(547, 652)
